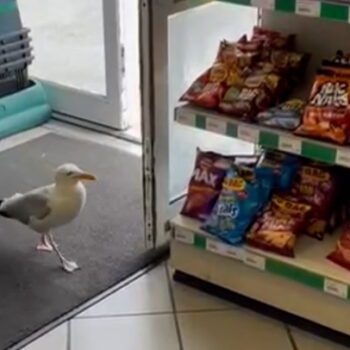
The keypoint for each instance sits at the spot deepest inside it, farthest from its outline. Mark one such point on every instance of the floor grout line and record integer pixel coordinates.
(172, 298)
(156, 313)
(291, 338)
(69, 335)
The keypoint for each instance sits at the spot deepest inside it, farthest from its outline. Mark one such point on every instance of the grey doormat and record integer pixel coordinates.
(107, 240)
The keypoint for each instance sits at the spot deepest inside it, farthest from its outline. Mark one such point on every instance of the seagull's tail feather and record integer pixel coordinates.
(2, 211)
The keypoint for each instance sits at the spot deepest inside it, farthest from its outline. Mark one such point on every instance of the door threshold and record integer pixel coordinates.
(125, 135)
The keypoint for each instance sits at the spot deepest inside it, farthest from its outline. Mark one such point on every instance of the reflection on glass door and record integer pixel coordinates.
(68, 40)
(78, 56)
(192, 49)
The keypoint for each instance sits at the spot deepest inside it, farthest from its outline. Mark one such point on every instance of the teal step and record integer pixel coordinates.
(24, 110)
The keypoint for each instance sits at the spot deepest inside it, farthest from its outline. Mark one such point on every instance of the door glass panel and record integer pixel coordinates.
(194, 38)
(68, 42)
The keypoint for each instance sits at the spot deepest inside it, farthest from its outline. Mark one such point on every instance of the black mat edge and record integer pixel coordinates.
(145, 262)
(266, 310)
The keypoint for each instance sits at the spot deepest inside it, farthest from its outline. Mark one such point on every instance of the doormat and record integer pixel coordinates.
(107, 240)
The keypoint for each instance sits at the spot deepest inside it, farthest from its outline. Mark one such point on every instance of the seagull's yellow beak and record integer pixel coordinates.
(85, 177)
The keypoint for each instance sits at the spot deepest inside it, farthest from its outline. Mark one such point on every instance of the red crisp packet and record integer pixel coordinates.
(315, 185)
(341, 254)
(205, 184)
(278, 226)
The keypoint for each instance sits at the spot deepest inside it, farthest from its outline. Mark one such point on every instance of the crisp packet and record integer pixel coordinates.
(315, 185)
(284, 167)
(327, 114)
(205, 184)
(341, 254)
(285, 116)
(277, 228)
(244, 193)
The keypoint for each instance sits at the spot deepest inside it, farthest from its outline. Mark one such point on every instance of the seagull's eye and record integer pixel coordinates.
(69, 173)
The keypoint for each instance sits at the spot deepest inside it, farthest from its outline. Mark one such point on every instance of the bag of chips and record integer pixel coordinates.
(244, 192)
(208, 90)
(315, 185)
(277, 228)
(327, 114)
(284, 167)
(205, 184)
(273, 40)
(284, 116)
(341, 254)
(256, 94)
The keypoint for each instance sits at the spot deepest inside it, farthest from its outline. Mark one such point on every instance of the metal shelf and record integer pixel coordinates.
(331, 10)
(264, 136)
(309, 268)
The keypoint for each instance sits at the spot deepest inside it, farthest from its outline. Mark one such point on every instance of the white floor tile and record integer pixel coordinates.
(307, 341)
(54, 340)
(191, 299)
(148, 294)
(228, 330)
(155, 332)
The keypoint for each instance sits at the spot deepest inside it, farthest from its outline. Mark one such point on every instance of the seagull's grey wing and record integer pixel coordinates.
(23, 207)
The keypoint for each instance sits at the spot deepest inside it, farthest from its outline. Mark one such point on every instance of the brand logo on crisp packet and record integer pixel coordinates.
(202, 175)
(236, 184)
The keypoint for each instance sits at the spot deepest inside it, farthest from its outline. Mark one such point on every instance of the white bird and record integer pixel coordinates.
(50, 207)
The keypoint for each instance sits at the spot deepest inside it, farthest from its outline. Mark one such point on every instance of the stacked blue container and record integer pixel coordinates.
(23, 103)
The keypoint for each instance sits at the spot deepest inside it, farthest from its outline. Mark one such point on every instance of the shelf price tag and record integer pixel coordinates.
(310, 8)
(248, 134)
(289, 144)
(256, 261)
(224, 250)
(343, 157)
(216, 125)
(335, 288)
(184, 237)
(264, 4)
(185, 117)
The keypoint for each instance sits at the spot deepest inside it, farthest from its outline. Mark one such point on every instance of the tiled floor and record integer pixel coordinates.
(141, 316)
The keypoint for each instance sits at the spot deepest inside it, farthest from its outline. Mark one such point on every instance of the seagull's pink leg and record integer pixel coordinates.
(44, 244)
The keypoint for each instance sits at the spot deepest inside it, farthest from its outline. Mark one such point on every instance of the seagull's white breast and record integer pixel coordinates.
(65, 205)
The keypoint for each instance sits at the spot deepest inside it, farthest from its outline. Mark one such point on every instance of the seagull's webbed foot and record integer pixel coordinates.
(69, 266)
(44, 244)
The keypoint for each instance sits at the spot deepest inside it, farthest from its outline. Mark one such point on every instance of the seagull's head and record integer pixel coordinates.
(71, 174)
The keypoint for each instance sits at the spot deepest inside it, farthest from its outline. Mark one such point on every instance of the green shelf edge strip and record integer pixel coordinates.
(333, 11)
(269, 139)
(281, 269)
(318, 152)
(8, 7)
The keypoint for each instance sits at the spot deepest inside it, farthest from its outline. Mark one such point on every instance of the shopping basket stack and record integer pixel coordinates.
(23, 103)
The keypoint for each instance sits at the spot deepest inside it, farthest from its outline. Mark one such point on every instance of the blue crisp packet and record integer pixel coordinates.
(242, 196)
(284, 167)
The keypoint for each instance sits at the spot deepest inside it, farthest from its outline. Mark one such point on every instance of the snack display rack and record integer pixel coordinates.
(308, 286)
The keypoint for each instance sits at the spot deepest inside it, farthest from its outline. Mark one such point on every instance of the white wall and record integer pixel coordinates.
(194, 37)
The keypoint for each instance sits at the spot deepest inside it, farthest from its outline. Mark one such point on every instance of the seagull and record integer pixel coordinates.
(47, 208)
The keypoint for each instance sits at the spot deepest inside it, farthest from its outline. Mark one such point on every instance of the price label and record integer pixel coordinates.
(309, 8)
(343, 157)
(248, 134)
(256, 261)
(224, 250)
(184, 237)
(289, 144)
(186, 118)
(217, 126)
(335, 288)
(264, 4)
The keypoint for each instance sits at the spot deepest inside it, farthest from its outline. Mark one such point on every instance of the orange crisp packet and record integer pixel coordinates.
(327, 114)
(277, 228)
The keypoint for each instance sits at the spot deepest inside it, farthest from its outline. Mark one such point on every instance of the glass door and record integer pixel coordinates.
(185, 40)
(78, 57)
